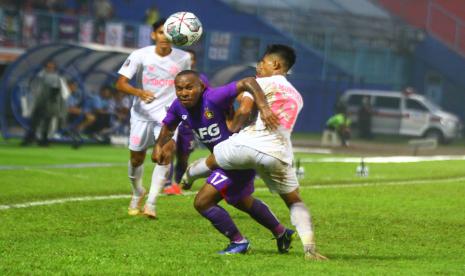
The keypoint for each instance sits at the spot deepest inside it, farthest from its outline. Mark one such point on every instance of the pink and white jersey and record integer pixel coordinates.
(155, 74)
(286, 102)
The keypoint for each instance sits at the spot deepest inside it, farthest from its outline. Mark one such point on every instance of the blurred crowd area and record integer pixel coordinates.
(99, 115)
(29, 23)
(61, 109)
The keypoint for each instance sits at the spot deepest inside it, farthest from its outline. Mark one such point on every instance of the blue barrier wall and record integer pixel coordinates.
(434, 58)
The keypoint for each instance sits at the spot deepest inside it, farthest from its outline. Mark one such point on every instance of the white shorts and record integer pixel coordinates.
(143, 134)
(279, 176)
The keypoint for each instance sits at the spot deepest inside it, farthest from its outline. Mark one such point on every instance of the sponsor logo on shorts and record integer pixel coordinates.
(135, 140)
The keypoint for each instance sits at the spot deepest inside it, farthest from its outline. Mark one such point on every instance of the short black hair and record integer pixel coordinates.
(158, 23)
(188, 72)
(284, 52)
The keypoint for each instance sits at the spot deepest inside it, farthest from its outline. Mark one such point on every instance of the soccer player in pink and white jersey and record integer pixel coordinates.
(155, 67)
(266, 149)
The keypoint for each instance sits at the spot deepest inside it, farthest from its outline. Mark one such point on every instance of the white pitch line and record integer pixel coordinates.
(312, 150)
(62, 166)
(55, 173)
(384, 159)
(188, 193)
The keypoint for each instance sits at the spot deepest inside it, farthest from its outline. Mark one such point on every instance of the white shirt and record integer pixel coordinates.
(155, 74)
(286, 102)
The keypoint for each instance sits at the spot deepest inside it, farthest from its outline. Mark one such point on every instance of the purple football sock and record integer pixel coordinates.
(261, 213)
(223, 223)
(178, 172)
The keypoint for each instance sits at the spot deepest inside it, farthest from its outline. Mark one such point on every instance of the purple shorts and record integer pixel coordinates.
(233, 185)
(185, 141)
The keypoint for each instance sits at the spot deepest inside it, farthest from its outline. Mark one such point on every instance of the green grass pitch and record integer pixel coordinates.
(406, 219)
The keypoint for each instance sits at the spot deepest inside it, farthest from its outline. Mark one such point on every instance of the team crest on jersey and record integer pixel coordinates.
(184, 117)
(128, 61)
(208, 113)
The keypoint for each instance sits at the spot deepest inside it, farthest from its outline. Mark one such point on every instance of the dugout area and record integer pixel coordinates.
(91, 66)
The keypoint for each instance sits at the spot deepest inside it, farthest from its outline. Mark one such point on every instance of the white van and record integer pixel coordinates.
(398, 113)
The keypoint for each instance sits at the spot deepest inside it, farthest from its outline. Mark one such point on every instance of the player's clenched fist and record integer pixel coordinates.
(163, 155)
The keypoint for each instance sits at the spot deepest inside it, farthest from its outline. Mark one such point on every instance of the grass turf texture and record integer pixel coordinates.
(405, 229)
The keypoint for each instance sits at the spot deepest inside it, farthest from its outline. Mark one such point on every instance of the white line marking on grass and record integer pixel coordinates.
(63, 166)
(55, 173)
(188, 193)
(70, 199)
(384, 159)
(312, 150)
(61, 200)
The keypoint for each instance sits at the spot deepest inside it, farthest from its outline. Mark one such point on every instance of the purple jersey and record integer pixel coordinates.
(185, 141)
(208, 121)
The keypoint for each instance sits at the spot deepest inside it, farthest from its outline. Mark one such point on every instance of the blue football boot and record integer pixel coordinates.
(236, 248)
(284, 242)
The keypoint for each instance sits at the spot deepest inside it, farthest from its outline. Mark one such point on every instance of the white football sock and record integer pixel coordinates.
(301, 219)
(135, 176)
(197, 169)
(159, 177)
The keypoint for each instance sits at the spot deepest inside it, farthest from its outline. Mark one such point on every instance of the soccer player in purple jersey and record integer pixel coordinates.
(267, 149)
(204, 110)
(185, 141)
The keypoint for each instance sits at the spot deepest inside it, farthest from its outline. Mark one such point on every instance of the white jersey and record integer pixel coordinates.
(286, 102)
(155, 74)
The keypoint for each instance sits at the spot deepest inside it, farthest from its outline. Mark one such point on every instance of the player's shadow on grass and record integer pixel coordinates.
(270, 252)
(335, 257)
(342, 257)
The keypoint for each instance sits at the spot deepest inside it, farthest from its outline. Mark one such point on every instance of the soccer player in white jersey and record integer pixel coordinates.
(156, 67)
(269, 150)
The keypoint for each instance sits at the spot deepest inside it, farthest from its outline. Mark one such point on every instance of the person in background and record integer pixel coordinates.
(152, 15)
(364, 119)
(101, 110)
(340, 123)
(79, 113)
(119, 109)
(47, 105)
(103, 11)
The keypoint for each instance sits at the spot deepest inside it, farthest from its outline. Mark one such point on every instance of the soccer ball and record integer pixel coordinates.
(183, 28)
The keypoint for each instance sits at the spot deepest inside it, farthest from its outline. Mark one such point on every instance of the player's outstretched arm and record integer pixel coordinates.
(242, 114)
(123, 85)
(163, 151)
(270, 119)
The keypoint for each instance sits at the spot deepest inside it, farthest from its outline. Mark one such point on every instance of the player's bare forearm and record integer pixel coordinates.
(123, 85)
(166, 134)
(252, 86)
(242, 114)
(161, 154)
(270, 119)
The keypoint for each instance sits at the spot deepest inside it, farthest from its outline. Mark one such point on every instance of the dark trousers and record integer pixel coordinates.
(39, 118)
